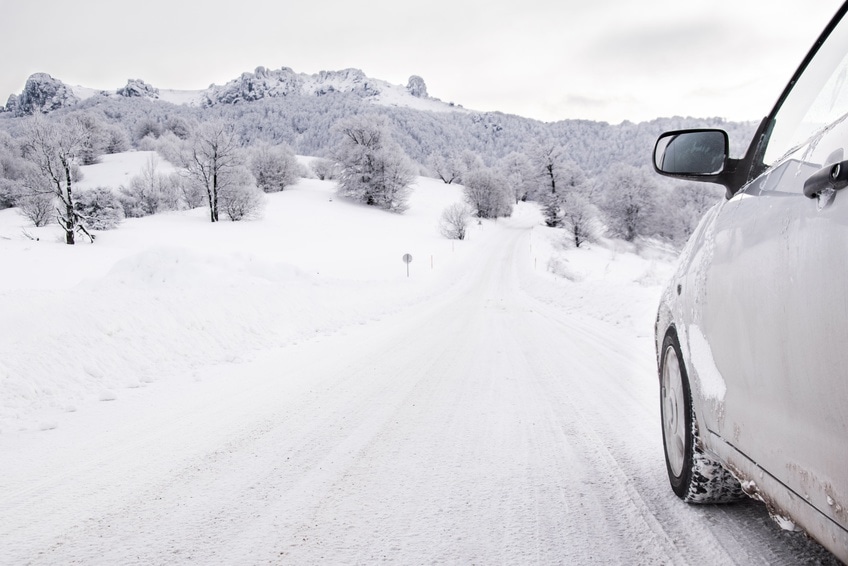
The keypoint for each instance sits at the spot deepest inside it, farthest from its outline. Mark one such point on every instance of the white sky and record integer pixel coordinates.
(609, 60)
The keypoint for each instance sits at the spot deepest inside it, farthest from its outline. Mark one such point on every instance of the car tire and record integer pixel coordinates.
(694, 477)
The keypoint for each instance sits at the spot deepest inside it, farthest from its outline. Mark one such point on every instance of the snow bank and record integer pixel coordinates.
(163, 298)
(613, 281)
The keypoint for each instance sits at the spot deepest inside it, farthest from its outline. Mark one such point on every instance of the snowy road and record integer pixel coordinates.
(484, 426)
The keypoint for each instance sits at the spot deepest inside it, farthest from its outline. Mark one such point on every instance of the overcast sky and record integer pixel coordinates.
(608, 60)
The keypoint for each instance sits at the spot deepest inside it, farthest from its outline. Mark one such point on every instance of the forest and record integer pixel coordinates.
(590, 178)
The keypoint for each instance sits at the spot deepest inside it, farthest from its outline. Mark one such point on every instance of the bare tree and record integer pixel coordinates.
(211, 158)
(149, 192)
(454, 221)
(53, 147)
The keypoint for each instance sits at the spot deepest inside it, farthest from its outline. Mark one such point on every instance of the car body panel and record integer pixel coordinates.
(759, 302)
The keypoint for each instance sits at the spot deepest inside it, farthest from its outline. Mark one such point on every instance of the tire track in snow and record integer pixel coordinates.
(480, 427)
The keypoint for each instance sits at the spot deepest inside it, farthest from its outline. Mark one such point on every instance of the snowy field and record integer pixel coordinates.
(280, 391)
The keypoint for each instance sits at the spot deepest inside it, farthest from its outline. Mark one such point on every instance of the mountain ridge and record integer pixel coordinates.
(44, 93)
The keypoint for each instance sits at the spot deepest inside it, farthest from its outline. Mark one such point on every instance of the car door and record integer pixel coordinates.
(777, 293)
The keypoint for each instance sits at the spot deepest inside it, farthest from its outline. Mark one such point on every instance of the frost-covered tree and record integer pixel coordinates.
(149, 192)
(518, 171)
(448, 169)
(552, 208)
(191, 191)
(374, 170)
(416, 87)
(488, 194)
(53, 147)
(39, 208)
(547, 158)
(471, 161)
(147, 127)
(580, 220)
(13, 170)
(212, 158)
(100, 208)
(116, 139)
(275, 167)
(453, 223)
(95, 139)
(629, 201)
(324, 169)
(684, 205)
(557, 178)
(240, 198)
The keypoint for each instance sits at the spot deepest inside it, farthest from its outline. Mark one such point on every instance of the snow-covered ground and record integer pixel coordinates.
(280, 391)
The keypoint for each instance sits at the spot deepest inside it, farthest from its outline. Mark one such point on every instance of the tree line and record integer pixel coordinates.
(586, 176)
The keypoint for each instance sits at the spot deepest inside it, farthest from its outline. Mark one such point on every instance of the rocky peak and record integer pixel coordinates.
(42, 93)
(137, 88)
(346, 80)
(416, 87)
(260, 84)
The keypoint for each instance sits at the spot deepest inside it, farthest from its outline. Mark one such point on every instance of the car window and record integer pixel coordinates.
(817, 100)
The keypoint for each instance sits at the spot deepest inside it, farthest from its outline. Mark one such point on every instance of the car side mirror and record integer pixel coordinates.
(692, 154)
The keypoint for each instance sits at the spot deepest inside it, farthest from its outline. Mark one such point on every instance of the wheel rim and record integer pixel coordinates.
(673, 407)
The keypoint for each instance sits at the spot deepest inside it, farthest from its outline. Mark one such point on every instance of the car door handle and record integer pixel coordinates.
(830, 177)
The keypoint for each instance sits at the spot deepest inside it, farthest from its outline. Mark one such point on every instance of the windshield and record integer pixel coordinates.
(818, 99)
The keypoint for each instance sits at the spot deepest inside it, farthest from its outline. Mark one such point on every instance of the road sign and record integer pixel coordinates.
(407, 259)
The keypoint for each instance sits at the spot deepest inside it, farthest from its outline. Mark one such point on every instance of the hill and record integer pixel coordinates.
(282, 106)
(164, 299)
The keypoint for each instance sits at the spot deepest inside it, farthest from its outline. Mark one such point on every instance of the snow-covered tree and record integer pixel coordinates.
(13, 170)
(39, 208)
(552, 208)
(488, 194)
(211, 158)
(275, 167)
(416, 87)
(116, 139)
(149, 192)
(100, 208)
(518, 171)
(471, 161)
(448, 169)
(684, 205)
(95, 139)
(191, 191)
(240, 198)
(374, 170)
(629, 201)
(580, 220)
(53, 147)
(547, 158)
(324, 169)
(453, 223)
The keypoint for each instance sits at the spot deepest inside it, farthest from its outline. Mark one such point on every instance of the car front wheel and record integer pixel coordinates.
(694, 477)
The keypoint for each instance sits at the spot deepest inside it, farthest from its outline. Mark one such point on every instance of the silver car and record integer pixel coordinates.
(752, 330)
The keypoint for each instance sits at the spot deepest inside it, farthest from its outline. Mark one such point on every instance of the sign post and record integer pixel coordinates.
(407, 259)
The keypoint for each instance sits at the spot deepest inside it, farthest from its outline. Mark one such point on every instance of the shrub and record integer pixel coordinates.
(99, 208)
(454, 221)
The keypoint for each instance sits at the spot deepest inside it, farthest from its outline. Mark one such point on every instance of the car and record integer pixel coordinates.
(752, 330)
